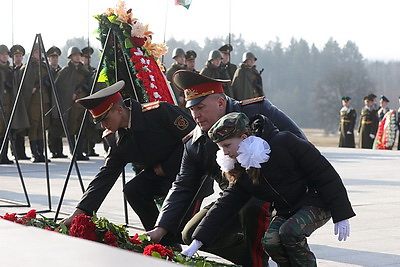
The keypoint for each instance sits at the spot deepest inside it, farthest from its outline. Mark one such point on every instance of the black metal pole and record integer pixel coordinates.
(80, 131)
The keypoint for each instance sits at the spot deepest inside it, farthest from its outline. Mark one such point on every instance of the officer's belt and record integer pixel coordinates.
(346, 120)
(366, 122)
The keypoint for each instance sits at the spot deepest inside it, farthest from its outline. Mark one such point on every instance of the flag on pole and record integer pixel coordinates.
(185, 3)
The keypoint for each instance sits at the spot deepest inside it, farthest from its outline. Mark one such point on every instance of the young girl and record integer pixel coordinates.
(279, 167)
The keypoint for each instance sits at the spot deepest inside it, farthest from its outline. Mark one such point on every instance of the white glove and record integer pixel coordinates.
(193, 247)
(343, 229)
(348, 132)
(372, 136)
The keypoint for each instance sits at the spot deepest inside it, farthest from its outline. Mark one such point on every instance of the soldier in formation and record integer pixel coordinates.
(368, 122)
(247, 81)
(347, 122)
(226, 60)
(20, 123)
(6, 93)
(56, 131)
(178, 54)
(213, 69)
(72, 83)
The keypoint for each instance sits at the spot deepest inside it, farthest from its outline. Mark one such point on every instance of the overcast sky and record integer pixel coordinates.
(372, 25)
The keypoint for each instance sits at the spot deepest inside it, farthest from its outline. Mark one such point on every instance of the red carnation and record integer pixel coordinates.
(110, 239)
(31, 214)
(135, 240)
(148, 250)
(10, 217)
(138, 41)
(83, 227)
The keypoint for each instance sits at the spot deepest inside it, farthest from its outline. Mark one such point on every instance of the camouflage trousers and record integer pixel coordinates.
(286, 238)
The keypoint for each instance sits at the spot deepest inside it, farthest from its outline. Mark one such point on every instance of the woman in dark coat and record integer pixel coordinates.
(303, 186)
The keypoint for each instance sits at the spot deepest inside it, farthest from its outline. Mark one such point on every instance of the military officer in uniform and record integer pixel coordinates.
(213, 69)
(6, 92)
(179, 56)
(190, 58)
(383, 107)
(72, 83)
(31, 88)
(92, 131)
(56, 131)
(226, 60)
(247, 81)
(20, 123)
(369, 121)
(147, 135)
(240, 242)
(347, 122)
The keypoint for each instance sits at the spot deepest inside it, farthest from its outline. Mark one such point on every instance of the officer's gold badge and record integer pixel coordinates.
(181, 122)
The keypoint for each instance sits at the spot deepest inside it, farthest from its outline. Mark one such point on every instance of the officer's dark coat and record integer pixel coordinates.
(347, 122)
(215, 72)
(296, 175)
(199, 164)
(155, 137)
(230, 68)
(368, 125)
(6, 92)
(21, 118)
(247, 83)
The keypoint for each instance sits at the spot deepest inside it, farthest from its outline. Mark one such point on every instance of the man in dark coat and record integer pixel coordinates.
(6, 93)
(368, 122)
(347, 122)
(56, 131)
(71, 84)
(226, 60)
(149, 136)
(247, 82)
(241, 241)
(20, 123)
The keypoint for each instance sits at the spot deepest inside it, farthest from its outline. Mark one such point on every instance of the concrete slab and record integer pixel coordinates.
(372, 179)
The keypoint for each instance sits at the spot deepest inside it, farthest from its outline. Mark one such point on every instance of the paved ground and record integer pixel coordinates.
(371, 177)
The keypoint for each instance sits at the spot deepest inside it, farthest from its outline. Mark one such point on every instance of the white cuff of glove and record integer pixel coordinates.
(343, 229)
(372, 136)
(193, 247)
(348, 132)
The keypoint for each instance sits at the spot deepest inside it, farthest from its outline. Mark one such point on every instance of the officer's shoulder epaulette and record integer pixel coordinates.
(252, 100)
(187, 137)
(106, 133)
(150, 106)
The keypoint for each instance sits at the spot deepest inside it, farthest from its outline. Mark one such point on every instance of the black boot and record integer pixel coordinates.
(40, 150)
(79, 150)
(3, 157)
(34, 151)
(20, 147)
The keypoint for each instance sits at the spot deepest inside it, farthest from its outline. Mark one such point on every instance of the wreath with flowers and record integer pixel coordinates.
(103, 231)
(386, 134)
(131, 55)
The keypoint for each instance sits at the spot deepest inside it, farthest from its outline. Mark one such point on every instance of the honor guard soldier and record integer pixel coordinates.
(241, 241)
(92, 131)
(6, 93)
(226, 60)
(73, 83)
(383, 107)
(190, 58)
(247, 81)
(213, 70)
(32, 85)
(20, 123)
(347, 122)
(147, 135)
(369, 121)
(56, 131)
(179, 56)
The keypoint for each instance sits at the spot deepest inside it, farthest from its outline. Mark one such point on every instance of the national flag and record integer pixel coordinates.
(185, 3)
